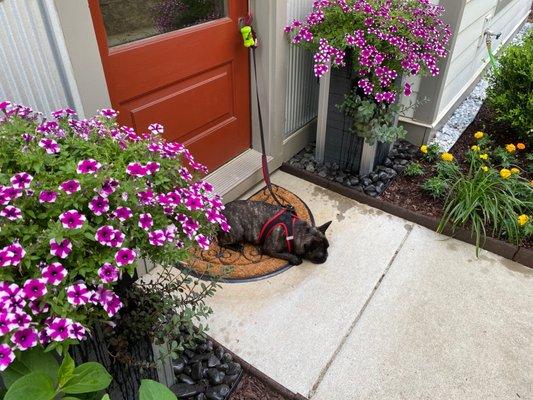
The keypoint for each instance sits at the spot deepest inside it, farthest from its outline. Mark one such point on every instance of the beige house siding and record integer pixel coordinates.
(470, 56)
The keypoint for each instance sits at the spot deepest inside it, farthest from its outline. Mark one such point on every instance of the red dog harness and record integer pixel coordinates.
(283, 218)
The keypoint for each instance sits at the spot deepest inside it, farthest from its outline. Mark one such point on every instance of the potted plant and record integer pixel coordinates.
(376, 46)
(82, 202)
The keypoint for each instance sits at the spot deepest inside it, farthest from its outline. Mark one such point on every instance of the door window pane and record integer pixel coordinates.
(129, 20)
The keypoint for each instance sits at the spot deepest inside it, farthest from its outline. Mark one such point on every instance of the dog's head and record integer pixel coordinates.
(314, 244)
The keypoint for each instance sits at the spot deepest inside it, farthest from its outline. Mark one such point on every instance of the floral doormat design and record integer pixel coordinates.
(233, 266)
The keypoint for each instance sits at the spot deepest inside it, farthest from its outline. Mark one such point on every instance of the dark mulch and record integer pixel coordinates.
(251, 388)
(406, 192)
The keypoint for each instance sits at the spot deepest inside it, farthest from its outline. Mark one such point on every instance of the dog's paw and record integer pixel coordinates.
(295, 260)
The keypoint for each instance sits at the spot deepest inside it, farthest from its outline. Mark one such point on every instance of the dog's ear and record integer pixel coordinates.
(324, 228)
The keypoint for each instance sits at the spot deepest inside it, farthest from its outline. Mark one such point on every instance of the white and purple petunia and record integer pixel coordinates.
(11, 213)
(157, 238)
(125, 256)
(34, 289)
(72, 219)
(47, 196)
(109, 301)
(25, 339)
(22, 180)
(203, 241)
(123, 213)
(78, 294)
(6, 257)
(145, 221)
(77, 331)
(137, 170)
(7, 356)
(20, 320)
(58, 329)
(89, 166)
(18, 253)
(109, 187)
(70, 187)
(49, 145)
(152, 167)
(156, 129)
(108, 273)
(61, 249)
(37, 307)
(146, 197)
(99, 205)
(108, 113)
(6, 323)
(54, 273)
(11, 295)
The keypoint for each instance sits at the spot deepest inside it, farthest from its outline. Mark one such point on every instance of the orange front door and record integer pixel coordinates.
(180, 63)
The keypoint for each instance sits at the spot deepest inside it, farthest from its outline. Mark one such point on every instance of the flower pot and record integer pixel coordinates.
(335, 142)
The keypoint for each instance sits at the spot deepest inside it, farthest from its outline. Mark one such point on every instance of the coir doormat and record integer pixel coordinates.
(249, 264)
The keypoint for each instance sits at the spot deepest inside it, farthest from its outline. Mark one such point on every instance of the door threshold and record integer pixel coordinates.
(238, 175)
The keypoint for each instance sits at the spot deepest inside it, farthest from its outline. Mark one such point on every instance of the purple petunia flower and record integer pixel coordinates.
(11, 213)
(61, 250)
(145, 221)
(6, 258)
(109, 236)
(156, 129)
(36, 307)
(152, 167)
(193, 202)
(88, 166)
(63, 113)
(49, 145)
(6, 356)
(407, 89)
(54, 273)
(123, 213)
(58, 329)
(125, 256)
(6, 323)
(11, 296)
(34, 289)
(72, 219)
(25, 339)
(108, 113)
(185, 174)
(20, 320)
(157, 238)
(78, 294)
(109, 301)
(109, 187)
(203, 241)
(108, 273)
(146, 197)
(18, 253)
(22, 180)
(99, 205)
(77, 331)
(136, 169)
(47, 196)
(70, 187)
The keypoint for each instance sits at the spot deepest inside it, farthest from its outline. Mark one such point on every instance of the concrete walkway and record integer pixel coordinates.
(397, 312)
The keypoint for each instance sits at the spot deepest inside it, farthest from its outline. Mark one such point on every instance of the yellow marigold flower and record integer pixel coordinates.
(505, 173)
(485, 168)
(479, 135)
(424, 149)
(520, 146)
(511, 148)
(446, 157)
(515, 170)
(475, 148)
(522, 219)
(484, 156)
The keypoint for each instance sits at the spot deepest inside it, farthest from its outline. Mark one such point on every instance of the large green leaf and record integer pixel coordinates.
(152, 390)
(32, 360)
(65, 370)
(34, 386)
(86, 378)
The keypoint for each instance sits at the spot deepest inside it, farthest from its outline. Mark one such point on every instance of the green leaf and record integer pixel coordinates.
(32, 360)
(70, 398)
(106, 397)
(88, 377)
(152, 390)
(65, 370)
(35, 386)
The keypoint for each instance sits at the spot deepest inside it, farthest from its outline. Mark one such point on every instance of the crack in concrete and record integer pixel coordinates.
(331, 360)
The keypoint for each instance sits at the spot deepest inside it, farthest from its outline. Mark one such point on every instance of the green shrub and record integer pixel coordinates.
(435, 186)
(414, 169)
(510, 94)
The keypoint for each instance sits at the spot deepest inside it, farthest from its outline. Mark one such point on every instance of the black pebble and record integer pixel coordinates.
(217, 392)
(178, 365)
(196, 371)
(183, 390)
(185, 379)
(213, 361)
(233, 368)
(216, 377)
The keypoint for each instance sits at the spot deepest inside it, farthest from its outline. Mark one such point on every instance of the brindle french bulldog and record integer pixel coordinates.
(246, 219)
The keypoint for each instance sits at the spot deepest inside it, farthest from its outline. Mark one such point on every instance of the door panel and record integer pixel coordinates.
(193, 80)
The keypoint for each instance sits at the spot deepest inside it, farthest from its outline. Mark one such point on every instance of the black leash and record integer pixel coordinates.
(264, 159)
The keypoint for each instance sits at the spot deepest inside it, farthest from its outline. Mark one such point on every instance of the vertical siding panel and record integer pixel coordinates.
(302, 87)
(30, 73)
